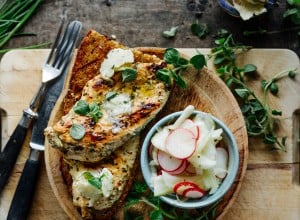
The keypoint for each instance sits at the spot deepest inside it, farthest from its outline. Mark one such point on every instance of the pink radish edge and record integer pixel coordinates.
(181, 143)
(191, 125)
(168, 162)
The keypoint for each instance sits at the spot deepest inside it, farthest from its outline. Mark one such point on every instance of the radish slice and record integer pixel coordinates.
(190, 125)
(222, 159)
(181, 143)
(193, 193)
(168, 162)
(180, 169)
(180, 187)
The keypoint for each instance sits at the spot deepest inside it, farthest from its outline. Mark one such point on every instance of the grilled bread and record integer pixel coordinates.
(117, 175)
(126, 105)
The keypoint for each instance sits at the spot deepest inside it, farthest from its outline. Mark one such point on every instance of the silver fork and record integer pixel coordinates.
(54, 66)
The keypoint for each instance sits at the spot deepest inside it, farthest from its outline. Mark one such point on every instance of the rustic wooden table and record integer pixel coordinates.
(270, 188)
(141, 23)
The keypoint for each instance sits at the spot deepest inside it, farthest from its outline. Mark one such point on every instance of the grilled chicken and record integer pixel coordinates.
(126, 106)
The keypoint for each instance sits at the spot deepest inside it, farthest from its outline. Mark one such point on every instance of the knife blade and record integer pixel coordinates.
(23, 196)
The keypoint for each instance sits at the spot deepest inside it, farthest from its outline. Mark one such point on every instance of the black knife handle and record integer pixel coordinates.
(10, 154)
(23, 196)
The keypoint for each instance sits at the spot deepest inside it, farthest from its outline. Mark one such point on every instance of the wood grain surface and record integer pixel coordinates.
(270, 189)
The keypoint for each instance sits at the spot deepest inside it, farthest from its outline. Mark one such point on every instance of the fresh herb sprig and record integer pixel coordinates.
(92, 110)
(258, 115)
(293, 13)
(172, 56)
(13, 16)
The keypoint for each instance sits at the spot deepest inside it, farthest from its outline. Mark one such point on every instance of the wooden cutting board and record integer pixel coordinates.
(270, 189)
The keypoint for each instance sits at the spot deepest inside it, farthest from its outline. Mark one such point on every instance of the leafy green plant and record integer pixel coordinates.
(172, 56)
(13, 16)
(258, 114)
(293, 13)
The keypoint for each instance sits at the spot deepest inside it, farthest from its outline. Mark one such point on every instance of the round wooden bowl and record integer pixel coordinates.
(207, 93)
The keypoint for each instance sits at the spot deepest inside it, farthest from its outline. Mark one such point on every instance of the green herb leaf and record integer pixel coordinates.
(200, 30)
(77, 131)
(171, 56)
(110, 95)
(274, 88)
(178, 80)
(198, 61)
(94, 181)
(81, 107)
(164, 75)
(156, 215)
(292, 74)
(243, 93)
(170, 33)
(276, 112)
(270, 139)
(95, 112)
(248, 68)
(129, 74)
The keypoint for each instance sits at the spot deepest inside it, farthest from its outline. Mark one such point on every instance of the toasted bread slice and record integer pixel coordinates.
(91, 201)
(126, 107)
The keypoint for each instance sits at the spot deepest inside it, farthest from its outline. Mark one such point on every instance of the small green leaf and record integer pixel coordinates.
(248, 68)
(270, 139)
(110, 95)
(276, 112)
(170, 33)
(292, 74)
(200, 30)
(178, 80)
(198, 61)
(156, 215)
(243, 93)
(171, 56)
(182, 62)
(229, 81)
(164, 75)
(129, 74)
(274, 88)
(290, 12)
(95, 112)
(81, 107)
(219, 59)
(94, 181)
(77, 131)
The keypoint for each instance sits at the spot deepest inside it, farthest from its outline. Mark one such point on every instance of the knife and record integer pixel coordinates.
(24, 193)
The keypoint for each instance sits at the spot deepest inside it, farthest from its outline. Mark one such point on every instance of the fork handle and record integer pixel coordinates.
(10, 153)
(24, 193)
